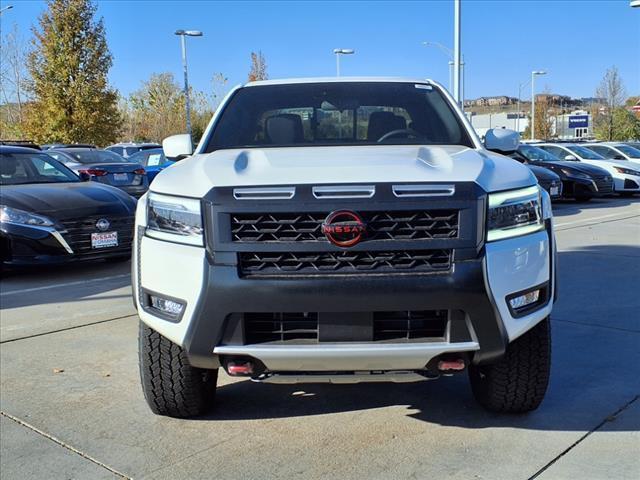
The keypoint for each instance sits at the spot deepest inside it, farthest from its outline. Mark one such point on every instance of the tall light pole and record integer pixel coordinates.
(449, 53)
(183, 34)
(4, 9)
(533, 100)
(457, 47)
(341, 51)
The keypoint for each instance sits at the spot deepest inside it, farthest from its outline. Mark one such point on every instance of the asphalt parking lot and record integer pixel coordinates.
(71, 404)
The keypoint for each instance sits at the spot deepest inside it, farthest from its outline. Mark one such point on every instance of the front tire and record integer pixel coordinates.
(518, 382)
(170, 384)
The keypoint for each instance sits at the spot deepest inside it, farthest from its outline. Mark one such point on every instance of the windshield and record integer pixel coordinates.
(585, 153)
(629, 151)
(94, 156)
(150, 158)
(341, 113)
(535, 153)
(24, 168)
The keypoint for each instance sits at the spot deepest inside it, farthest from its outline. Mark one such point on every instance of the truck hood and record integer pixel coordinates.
(195, 176)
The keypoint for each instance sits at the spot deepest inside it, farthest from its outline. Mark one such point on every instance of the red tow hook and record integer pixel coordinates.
(455, 365)
(240, 369)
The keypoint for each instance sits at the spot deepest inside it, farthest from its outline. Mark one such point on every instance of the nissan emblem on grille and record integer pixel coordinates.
(103, 224)
(344, 228)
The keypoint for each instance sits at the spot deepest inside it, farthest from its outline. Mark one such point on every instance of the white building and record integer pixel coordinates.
(570, 126)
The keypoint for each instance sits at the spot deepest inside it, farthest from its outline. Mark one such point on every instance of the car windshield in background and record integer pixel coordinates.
(535, 153)
(585, 153)
(629, 151)
(340, 113)
(149, 158)
(94, 156)
(24, 168)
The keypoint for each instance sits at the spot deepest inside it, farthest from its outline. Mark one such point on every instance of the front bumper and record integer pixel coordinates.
(474, 292)
(26, 245)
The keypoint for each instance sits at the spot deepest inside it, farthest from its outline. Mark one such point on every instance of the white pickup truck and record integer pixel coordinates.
(343, 230)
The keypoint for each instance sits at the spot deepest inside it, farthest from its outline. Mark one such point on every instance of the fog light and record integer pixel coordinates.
(524, 300)
(166, 306)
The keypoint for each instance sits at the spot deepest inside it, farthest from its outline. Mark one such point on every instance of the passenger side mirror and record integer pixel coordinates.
(501, 140)
(84, 176)
(177, 147)
(570, 158)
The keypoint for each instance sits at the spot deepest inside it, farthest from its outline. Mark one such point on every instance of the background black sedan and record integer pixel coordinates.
(580, 180)
(105, 167)
(49, 215)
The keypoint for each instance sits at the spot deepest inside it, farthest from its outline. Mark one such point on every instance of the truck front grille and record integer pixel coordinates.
(307, 227)
(280, 327)
(409, 325)
(305, 327)
(343, 262)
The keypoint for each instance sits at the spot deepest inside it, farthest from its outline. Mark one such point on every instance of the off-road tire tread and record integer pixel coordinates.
(518, 382)
(170, 384)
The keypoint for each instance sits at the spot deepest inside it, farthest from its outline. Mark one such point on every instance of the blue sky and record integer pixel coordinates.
(575, 41)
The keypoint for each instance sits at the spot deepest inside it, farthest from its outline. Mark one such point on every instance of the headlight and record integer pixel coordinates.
(514, 213)
(571, 173)
(174, 219)
(627, 171)
(20, 217)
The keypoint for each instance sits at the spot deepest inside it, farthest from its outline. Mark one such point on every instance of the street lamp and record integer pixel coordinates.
(183, 34)
(533, 99)
(449, 53)
(341, 51)
(8, 7)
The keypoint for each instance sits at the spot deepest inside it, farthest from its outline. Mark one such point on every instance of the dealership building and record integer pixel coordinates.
(569, 126)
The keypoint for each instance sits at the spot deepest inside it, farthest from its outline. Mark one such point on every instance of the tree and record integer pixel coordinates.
(258, 69)
(13, 82)
(69, 63)
(612, 95)
(157, 110)
(544, 118)
(626, 126)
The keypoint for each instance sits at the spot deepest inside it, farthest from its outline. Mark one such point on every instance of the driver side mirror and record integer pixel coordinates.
(501, 140)
(84, 177)
(570, 158)
(177, 147)
(618, 157)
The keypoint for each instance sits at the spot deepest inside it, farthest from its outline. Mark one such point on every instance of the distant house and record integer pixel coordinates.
(491, 101)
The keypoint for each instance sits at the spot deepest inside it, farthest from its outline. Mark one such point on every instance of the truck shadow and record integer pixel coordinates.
(596, 329)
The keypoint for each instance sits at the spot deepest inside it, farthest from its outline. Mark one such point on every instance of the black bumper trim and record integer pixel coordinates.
(225, 293)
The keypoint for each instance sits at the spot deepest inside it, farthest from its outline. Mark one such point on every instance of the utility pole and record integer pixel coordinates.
(183, 34)
(456, 50)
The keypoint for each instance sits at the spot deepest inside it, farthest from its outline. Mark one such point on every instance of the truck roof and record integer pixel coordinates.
(288, 81)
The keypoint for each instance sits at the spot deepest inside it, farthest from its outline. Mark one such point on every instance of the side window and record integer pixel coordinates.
(117, 150)
(58, 157)
(556, 151)
(46, 169)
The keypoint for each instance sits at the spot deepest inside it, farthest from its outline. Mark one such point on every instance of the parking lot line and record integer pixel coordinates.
(62, 285)
(586, 221)
(63, 444)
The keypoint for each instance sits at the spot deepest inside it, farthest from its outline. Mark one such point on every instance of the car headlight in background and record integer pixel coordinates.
(175, 219)
(627, 171)
(20, 217)
(514, 213)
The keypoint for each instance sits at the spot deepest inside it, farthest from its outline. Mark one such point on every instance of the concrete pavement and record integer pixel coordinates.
(72, 406)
